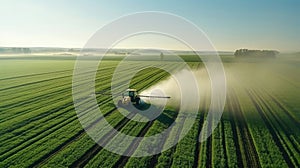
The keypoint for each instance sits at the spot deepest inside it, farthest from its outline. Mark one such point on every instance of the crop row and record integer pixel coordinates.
(150, 82)
(139, 84)
(25, 124)
(278, 130)
(39, 126)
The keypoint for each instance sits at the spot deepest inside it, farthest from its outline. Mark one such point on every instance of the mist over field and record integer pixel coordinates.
(170, 87)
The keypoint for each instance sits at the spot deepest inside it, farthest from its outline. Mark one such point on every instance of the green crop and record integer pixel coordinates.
(39, 126)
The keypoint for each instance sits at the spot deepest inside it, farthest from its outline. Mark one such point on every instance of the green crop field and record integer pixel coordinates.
(260, 126)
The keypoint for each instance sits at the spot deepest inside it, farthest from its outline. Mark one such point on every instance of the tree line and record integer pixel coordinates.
(15, 50)
(243, 53)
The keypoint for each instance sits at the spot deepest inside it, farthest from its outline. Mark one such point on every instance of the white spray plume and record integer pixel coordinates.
(170, 87)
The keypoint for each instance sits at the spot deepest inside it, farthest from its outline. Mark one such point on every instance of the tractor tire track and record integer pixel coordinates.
(77, 136)
(60, 124)
(47, 80)
(235, 133)
(61, 147)
(132, 147)
(198, 146)
(84, 159)
(38, 117)
(35, 82)
(224, 143)
(47, 73)
(275, 100)
(209, 152)
(64, 80)
(16, 148)
(173, 149)
(270, 128)
(37, 99)
(29, 140)
(250, 155)
(57, 96)
(34, 75)
(134, 144)
(284, 129)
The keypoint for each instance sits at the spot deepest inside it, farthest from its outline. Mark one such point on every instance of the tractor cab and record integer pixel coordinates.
(130, 95)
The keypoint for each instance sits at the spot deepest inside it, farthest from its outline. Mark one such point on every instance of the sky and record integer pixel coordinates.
(230, 25)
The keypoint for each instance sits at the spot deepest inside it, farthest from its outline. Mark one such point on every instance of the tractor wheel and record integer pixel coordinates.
(119, 103)
(138, 101)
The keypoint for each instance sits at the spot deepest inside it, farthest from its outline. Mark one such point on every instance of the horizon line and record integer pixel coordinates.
(79, 48)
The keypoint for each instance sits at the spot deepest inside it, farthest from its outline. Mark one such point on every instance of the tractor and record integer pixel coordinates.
(130, 95)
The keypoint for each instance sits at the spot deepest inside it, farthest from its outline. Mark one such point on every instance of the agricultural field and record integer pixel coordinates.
(260, 126)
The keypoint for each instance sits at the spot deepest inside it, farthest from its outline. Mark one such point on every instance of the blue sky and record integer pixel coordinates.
(229, 24)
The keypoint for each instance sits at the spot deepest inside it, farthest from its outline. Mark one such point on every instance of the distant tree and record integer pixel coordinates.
(245, 53)
(161, 56)
(26, 50)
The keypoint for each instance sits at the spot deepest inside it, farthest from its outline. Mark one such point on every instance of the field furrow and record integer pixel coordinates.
(270, 128)
(39, 126)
